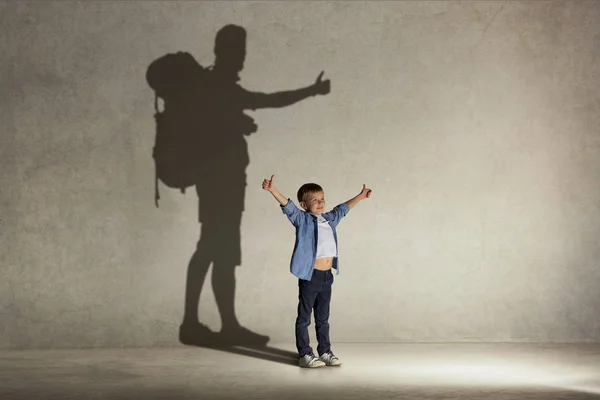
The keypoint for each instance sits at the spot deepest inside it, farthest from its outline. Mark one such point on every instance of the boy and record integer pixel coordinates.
(312, 261)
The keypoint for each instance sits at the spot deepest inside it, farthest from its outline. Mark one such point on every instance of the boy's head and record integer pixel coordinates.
(312, 198)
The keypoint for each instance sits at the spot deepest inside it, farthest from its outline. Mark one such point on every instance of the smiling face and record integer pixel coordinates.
(314, 202)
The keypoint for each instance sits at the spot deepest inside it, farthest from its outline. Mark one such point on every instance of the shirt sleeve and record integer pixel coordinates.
(334, 216)
(293, 213)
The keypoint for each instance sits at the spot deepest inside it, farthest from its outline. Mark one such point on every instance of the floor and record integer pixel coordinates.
(370, 371)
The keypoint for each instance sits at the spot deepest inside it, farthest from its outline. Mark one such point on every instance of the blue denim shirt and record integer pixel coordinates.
(305, 248)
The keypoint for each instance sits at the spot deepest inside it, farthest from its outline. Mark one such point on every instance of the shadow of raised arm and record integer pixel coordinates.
(256, 100)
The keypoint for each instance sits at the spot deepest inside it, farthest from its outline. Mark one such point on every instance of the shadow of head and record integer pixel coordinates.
(230, 48)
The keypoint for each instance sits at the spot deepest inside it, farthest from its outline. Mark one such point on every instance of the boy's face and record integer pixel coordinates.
(314, 203)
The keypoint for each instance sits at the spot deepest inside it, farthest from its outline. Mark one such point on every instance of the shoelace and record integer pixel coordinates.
(313, 359)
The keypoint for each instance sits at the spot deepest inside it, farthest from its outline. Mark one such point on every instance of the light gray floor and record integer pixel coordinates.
(370, 371)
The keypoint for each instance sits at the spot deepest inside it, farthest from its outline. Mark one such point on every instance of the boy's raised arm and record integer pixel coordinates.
(365, 193)
(269, 186)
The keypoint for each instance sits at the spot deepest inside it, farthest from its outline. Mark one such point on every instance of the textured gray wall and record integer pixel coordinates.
(476, 124)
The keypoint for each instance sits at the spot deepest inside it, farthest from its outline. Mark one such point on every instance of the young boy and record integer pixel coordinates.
(315, 254)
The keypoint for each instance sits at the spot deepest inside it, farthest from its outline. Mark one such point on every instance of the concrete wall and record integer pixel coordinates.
(476, 124)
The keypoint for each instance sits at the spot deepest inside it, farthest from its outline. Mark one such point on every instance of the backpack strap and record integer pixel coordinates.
(156, 193)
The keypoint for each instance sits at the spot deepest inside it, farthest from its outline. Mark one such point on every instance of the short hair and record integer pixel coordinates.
(230, 38)
(306, 189)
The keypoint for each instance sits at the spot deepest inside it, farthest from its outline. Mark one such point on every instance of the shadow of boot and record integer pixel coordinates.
(241, 336)
(197, 334)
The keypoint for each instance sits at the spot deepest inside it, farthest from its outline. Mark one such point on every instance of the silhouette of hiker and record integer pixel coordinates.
(221, 183)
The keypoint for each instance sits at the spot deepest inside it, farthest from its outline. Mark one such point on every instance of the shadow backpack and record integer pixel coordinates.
(177, 79)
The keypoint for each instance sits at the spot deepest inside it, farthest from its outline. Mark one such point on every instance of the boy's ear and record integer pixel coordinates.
(303, 205)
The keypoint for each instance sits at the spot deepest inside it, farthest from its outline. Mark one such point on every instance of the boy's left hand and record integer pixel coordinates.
(365, 193)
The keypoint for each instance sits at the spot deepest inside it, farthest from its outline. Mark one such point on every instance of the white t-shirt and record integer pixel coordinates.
(326, 246)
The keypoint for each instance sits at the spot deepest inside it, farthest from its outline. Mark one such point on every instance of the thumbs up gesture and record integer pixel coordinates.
(268, 184)
(322, 86)
(365, 192)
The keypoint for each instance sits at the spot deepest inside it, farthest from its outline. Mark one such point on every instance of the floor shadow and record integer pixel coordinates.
(262, 352)
(201, 142)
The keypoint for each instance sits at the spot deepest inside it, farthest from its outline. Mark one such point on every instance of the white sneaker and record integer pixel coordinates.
(310, 361)
(330, 359)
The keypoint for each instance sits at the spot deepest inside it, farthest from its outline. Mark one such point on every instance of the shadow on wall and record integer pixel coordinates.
(200, 142)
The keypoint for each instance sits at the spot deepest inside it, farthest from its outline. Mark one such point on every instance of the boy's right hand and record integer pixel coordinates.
(268, 184)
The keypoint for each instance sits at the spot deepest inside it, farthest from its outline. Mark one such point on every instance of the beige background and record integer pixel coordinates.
(476, 124)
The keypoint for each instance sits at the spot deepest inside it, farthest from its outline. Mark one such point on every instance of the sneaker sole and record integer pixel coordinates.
(313, 366)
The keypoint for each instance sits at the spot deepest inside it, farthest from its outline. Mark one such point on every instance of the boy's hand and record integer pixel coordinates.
(322, 87)
(268, 184)
(365, 193)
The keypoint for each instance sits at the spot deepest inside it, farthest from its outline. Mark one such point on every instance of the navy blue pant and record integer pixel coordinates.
(314, 295)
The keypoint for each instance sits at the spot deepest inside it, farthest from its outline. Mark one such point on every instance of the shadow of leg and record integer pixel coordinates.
(191, 331)
(232, 333)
